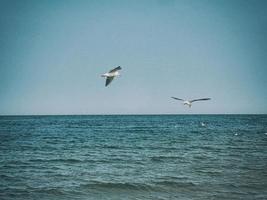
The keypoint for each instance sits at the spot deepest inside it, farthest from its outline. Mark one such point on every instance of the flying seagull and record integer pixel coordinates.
(111, 75)
(189, 102)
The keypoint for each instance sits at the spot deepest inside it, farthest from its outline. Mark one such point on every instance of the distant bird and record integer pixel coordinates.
(189, 102)
(111, 75)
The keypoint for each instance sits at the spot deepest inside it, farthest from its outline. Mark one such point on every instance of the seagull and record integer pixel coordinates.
(111, 75)
(189, 102)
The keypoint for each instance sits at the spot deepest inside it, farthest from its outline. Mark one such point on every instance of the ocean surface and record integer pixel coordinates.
(133, 157)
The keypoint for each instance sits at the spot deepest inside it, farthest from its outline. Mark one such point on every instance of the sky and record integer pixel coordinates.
(53, 53)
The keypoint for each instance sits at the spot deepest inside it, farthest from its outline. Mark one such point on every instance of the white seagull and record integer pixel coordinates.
(189, 102)
(111, 75)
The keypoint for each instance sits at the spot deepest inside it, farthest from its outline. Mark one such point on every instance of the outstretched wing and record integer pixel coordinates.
(204, 99)
(177, 99)
(115, 69)
(108, 80)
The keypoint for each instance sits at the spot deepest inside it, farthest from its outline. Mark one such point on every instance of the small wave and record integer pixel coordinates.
(7, 177)
(15, 164)
(209, 171)
(195, 131)
(119, 186)
(54, 191)
(69, 160)
(175, 184)
(163, 158)
(111, 146)
(208, 147)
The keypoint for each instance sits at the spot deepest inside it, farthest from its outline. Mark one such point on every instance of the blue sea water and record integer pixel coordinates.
(133, 157)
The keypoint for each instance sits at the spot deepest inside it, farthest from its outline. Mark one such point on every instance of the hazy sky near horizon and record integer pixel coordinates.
(53, 53)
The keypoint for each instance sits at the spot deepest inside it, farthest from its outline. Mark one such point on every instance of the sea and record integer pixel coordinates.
(153, 157)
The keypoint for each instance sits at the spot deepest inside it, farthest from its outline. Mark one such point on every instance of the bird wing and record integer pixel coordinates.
(204, 99)
(177, 99)
(115, 69)
(108, 80)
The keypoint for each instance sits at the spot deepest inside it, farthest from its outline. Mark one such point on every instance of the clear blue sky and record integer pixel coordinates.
(53, 52)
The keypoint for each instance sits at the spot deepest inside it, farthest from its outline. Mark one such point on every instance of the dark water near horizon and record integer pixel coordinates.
(133, 157)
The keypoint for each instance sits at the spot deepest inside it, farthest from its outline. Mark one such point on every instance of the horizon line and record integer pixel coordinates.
(17, 115)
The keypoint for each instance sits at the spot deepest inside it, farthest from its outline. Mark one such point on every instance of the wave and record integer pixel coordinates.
(53, 191)
(163, 158)
(152, 186)
(69, 160)
(120, 186)
(175, 184)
